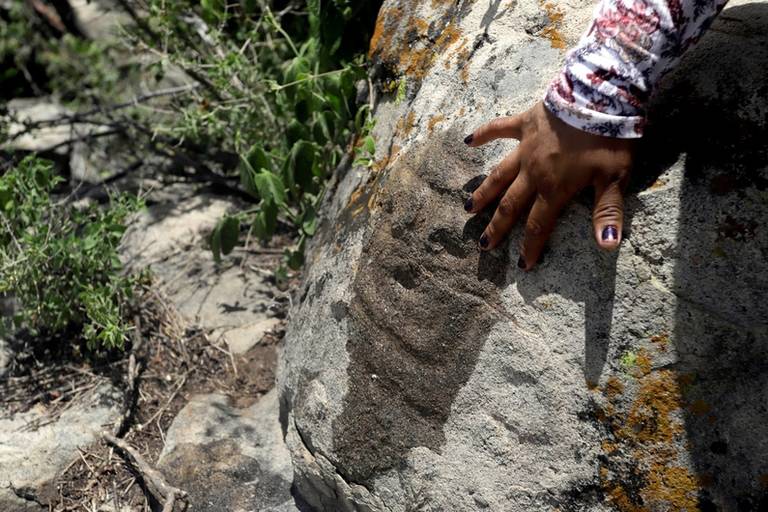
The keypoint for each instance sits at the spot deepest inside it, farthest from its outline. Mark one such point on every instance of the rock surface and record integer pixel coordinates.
(229, 459)
(233, 300)
(419, 374)
(32, 457)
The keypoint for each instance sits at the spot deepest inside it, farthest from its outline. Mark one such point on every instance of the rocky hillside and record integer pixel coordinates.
(419, 374)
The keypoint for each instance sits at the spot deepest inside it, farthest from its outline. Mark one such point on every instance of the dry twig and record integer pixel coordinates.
(155, 481)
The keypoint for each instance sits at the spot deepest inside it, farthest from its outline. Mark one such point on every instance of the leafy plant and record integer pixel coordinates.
(277, 91)
(268, 110)
(60, 262)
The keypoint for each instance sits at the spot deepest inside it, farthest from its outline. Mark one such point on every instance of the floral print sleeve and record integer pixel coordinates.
(610, 74)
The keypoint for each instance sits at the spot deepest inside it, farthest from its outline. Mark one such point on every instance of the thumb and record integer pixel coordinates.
(608, 215)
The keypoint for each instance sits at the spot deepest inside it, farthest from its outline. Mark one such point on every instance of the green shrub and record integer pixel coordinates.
(277, 90)
(60, 262)
(269, 113)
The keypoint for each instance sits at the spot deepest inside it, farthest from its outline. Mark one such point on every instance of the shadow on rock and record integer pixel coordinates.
(420, 314)
(713, 109)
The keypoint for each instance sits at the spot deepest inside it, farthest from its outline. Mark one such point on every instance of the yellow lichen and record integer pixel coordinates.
(434, 120)
(649, 431)
(651, 418)
(552, 31)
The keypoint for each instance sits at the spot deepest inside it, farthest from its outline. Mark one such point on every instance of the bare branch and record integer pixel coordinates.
(154, 480)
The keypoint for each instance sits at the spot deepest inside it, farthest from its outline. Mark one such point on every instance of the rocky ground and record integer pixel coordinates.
(416, 373)
(421, 374)
(195, 395)
(204, 409)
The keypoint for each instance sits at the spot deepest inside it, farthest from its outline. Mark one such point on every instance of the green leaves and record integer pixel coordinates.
(224, 237)
(61, 263)
(213, 11)
(265, 221)
(270, 187)
(309, 220)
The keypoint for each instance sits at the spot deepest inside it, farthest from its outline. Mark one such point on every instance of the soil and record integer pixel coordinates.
(177, 360)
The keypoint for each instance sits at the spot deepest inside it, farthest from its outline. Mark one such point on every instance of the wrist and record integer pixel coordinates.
(564, 102)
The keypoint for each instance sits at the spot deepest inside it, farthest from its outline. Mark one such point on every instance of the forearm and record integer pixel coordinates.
(609, 76)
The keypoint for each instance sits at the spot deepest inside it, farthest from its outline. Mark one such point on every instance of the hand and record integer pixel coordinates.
(553, 162)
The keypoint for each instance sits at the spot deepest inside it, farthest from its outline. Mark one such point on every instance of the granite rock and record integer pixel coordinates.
(31, 457)
(228, 458)
(419, 374)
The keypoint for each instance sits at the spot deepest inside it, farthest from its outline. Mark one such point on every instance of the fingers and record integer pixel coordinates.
(495, 184)
(499, 128)
(608, 215)
(512, 205)
(541, 222)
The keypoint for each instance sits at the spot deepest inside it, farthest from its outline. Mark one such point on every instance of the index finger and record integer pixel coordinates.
(499, 128)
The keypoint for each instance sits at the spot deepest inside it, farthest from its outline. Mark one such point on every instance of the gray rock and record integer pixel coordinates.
(5, 357)
(45, 138)
(99, 19)
(419, 374)
(230, 459)
(233, 300)
(32, 458)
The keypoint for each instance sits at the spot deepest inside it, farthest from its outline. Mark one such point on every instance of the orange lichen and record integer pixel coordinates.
(405, 124)
(410, 56)
(763, 479)
(648, 431)
(421, 26)
(643, 362)
(613, 387)
(383, 30)
(464, 73)
(449, 35)
(608, 448)
(434, 120)
(675, 488)
(552, 31)
(661, 341)
(355, 196)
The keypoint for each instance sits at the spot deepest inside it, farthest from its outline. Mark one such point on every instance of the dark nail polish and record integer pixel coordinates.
(468, 205)
(610, 234)
(521, 263)
(484, 241)
(468, 138)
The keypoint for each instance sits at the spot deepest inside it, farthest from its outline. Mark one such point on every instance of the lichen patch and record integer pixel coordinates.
(552, 30)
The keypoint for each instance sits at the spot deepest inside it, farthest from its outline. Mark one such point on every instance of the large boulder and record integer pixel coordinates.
(228, 458)
(420, 374)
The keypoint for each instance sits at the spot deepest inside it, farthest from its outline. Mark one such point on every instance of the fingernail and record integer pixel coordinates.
(484, 241)
(521, 263)
(610, 234)
(468, 139)
(468, 205)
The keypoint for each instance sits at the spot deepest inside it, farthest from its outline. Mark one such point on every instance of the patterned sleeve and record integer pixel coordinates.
(610, 74)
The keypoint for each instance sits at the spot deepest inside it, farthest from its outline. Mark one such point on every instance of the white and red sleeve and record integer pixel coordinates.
(609, 76)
